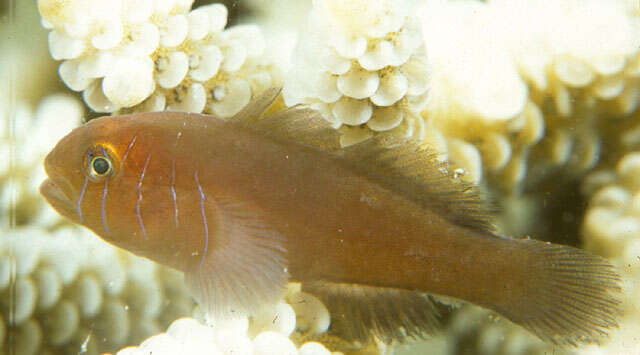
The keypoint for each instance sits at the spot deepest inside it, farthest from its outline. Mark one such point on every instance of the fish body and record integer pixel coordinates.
(242, 210)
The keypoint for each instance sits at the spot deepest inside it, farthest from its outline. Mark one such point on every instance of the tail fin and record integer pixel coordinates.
(569, 297)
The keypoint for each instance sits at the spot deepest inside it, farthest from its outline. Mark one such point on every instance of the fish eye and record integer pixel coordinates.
(101, 167)
(100, 162)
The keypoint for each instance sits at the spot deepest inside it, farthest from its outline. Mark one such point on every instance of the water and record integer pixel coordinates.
(533, 148)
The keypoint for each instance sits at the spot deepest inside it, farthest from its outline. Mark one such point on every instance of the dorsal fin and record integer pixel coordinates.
(398, 164)
(297, 123)
(415, 171)
(254, 110)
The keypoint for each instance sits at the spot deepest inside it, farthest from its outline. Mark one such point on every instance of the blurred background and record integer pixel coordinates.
(557, 153)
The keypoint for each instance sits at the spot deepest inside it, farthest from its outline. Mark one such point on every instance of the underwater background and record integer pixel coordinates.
(535, 101)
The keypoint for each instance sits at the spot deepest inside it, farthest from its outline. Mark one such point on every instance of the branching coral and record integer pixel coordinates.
(505, 74)
(501, 76)
(580, 50)
(72, 292)
(473, 330)
(154, 55)
(36, 132)
(611, 227)
(363, 65)
(266, 334)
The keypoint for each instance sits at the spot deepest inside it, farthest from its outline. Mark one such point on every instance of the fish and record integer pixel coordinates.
(245, 205)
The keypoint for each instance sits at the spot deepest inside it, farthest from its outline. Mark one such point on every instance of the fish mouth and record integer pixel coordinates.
(53, 193)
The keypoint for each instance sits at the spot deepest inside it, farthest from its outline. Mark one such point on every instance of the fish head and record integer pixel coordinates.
(80, 166)
(132, 180)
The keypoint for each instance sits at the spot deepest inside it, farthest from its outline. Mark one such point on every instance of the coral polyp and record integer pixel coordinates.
(148, 56)
(363, 64)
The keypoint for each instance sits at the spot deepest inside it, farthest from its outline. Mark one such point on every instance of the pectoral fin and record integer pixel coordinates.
(245, 268)
(359, 313)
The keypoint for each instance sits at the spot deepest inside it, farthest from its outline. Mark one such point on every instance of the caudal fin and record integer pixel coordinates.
(569, 296)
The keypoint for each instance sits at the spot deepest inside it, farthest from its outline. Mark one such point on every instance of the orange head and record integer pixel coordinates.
(124, 178)
(78, 168)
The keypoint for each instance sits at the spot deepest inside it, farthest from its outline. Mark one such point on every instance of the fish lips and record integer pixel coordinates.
(56, 197)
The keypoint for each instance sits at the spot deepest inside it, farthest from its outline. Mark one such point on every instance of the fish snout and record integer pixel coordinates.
(57, 188)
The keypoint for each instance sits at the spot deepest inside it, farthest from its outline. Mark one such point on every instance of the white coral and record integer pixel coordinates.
(611, 227)
(124, 54)
(360, 62)
(266, 334)
(576, 44)
(35, 132)
(496, 65)
(68, 277)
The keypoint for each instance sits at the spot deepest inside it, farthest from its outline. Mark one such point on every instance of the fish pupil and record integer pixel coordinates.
(100, 166)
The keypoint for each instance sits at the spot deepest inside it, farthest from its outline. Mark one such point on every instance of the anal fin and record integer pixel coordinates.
(360, 313)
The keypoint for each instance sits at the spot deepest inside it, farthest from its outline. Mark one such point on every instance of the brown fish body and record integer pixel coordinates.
(338, 226)
(199, 194)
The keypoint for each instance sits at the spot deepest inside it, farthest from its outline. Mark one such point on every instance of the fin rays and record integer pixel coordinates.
(417, 174)
(407, 168)
(571, 297)
(244, 270)
(359, 313)
(568, 298)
